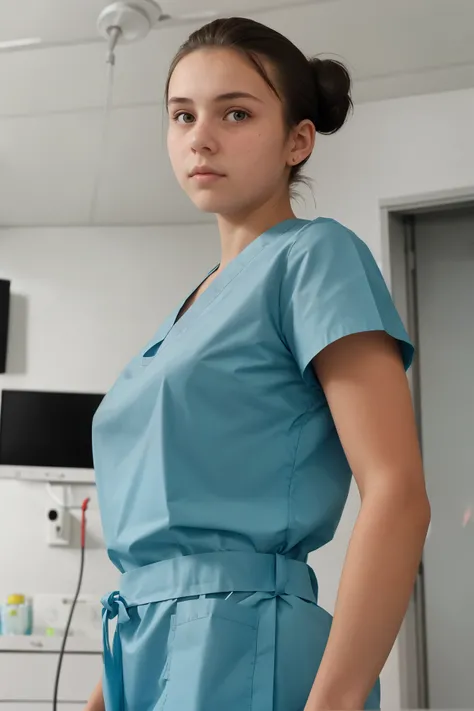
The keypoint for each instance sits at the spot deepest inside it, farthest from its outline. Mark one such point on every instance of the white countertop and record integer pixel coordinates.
(38, 643)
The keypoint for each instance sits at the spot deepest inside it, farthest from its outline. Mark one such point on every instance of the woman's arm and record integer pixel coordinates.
(367, 391)
(96, 701)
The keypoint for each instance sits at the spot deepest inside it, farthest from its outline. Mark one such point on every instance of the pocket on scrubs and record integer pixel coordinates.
(211, 656)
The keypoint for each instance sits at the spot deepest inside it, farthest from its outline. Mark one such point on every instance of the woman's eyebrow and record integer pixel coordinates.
(222, 97)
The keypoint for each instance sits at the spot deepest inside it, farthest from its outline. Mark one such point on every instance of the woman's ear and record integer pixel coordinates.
(302, 142)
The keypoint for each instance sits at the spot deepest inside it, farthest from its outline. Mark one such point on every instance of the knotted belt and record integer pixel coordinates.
(201, 574)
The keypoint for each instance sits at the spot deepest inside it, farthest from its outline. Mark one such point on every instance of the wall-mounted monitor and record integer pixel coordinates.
(47, 435)
(4, 318)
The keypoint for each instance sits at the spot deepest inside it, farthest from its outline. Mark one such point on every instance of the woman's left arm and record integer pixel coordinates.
(366, 387)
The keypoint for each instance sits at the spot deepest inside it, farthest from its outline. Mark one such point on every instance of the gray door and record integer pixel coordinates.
(445, 292)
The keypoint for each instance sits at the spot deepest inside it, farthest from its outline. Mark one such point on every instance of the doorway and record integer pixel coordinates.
(429, 261)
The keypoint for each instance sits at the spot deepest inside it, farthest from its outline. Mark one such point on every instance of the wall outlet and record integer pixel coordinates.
(58, 526)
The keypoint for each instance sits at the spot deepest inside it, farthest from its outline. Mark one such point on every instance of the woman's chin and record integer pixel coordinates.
(210, 203)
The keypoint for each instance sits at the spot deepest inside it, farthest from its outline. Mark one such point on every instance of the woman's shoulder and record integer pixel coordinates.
(322, 239)
(319, 231)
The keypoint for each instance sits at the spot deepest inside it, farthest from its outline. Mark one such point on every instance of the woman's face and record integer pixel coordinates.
(224, 117)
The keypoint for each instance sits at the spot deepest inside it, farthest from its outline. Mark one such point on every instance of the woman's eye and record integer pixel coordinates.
(183, 115)
(239, 115)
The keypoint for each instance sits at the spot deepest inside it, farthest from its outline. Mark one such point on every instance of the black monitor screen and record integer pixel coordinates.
(47, 429)
(4, 311)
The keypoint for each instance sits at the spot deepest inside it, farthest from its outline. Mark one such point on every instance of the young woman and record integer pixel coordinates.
(225, 451)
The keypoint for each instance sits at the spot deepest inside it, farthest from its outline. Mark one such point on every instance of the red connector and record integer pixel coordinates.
(85, 504)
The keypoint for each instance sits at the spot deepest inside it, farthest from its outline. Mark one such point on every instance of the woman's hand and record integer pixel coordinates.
(96, 701)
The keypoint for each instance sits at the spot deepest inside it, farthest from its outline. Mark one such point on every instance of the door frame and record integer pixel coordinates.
(398, 266)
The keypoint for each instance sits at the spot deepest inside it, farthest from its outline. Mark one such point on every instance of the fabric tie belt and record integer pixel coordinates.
(201, 574)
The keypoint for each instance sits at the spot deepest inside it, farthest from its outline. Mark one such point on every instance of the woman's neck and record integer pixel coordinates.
(237, 232)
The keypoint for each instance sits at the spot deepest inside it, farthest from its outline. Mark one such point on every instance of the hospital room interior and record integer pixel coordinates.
(98, 244)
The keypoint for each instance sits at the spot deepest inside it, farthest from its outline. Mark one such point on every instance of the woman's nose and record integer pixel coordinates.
(203, 138)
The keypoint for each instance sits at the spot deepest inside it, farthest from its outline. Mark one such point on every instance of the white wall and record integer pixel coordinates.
(389, 149)
(84, 301)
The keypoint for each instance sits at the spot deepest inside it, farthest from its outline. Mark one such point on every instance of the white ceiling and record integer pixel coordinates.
(74, 20)
(52, 98)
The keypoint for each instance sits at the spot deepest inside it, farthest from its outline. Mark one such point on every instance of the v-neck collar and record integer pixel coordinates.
(176, 327)
(177, 316)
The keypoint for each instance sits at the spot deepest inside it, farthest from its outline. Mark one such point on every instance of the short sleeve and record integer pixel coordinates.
(332, 287)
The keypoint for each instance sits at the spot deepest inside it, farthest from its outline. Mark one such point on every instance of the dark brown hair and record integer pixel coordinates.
(314, 89)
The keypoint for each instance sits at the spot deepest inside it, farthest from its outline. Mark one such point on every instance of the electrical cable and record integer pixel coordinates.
(114, 36)
(85, 504)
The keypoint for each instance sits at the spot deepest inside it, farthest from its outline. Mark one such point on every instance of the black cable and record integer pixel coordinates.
(66, 631)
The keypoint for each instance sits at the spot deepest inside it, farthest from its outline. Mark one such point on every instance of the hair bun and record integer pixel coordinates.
(333, 85)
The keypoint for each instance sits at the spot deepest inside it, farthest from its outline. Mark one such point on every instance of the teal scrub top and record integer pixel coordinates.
(217, 439)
